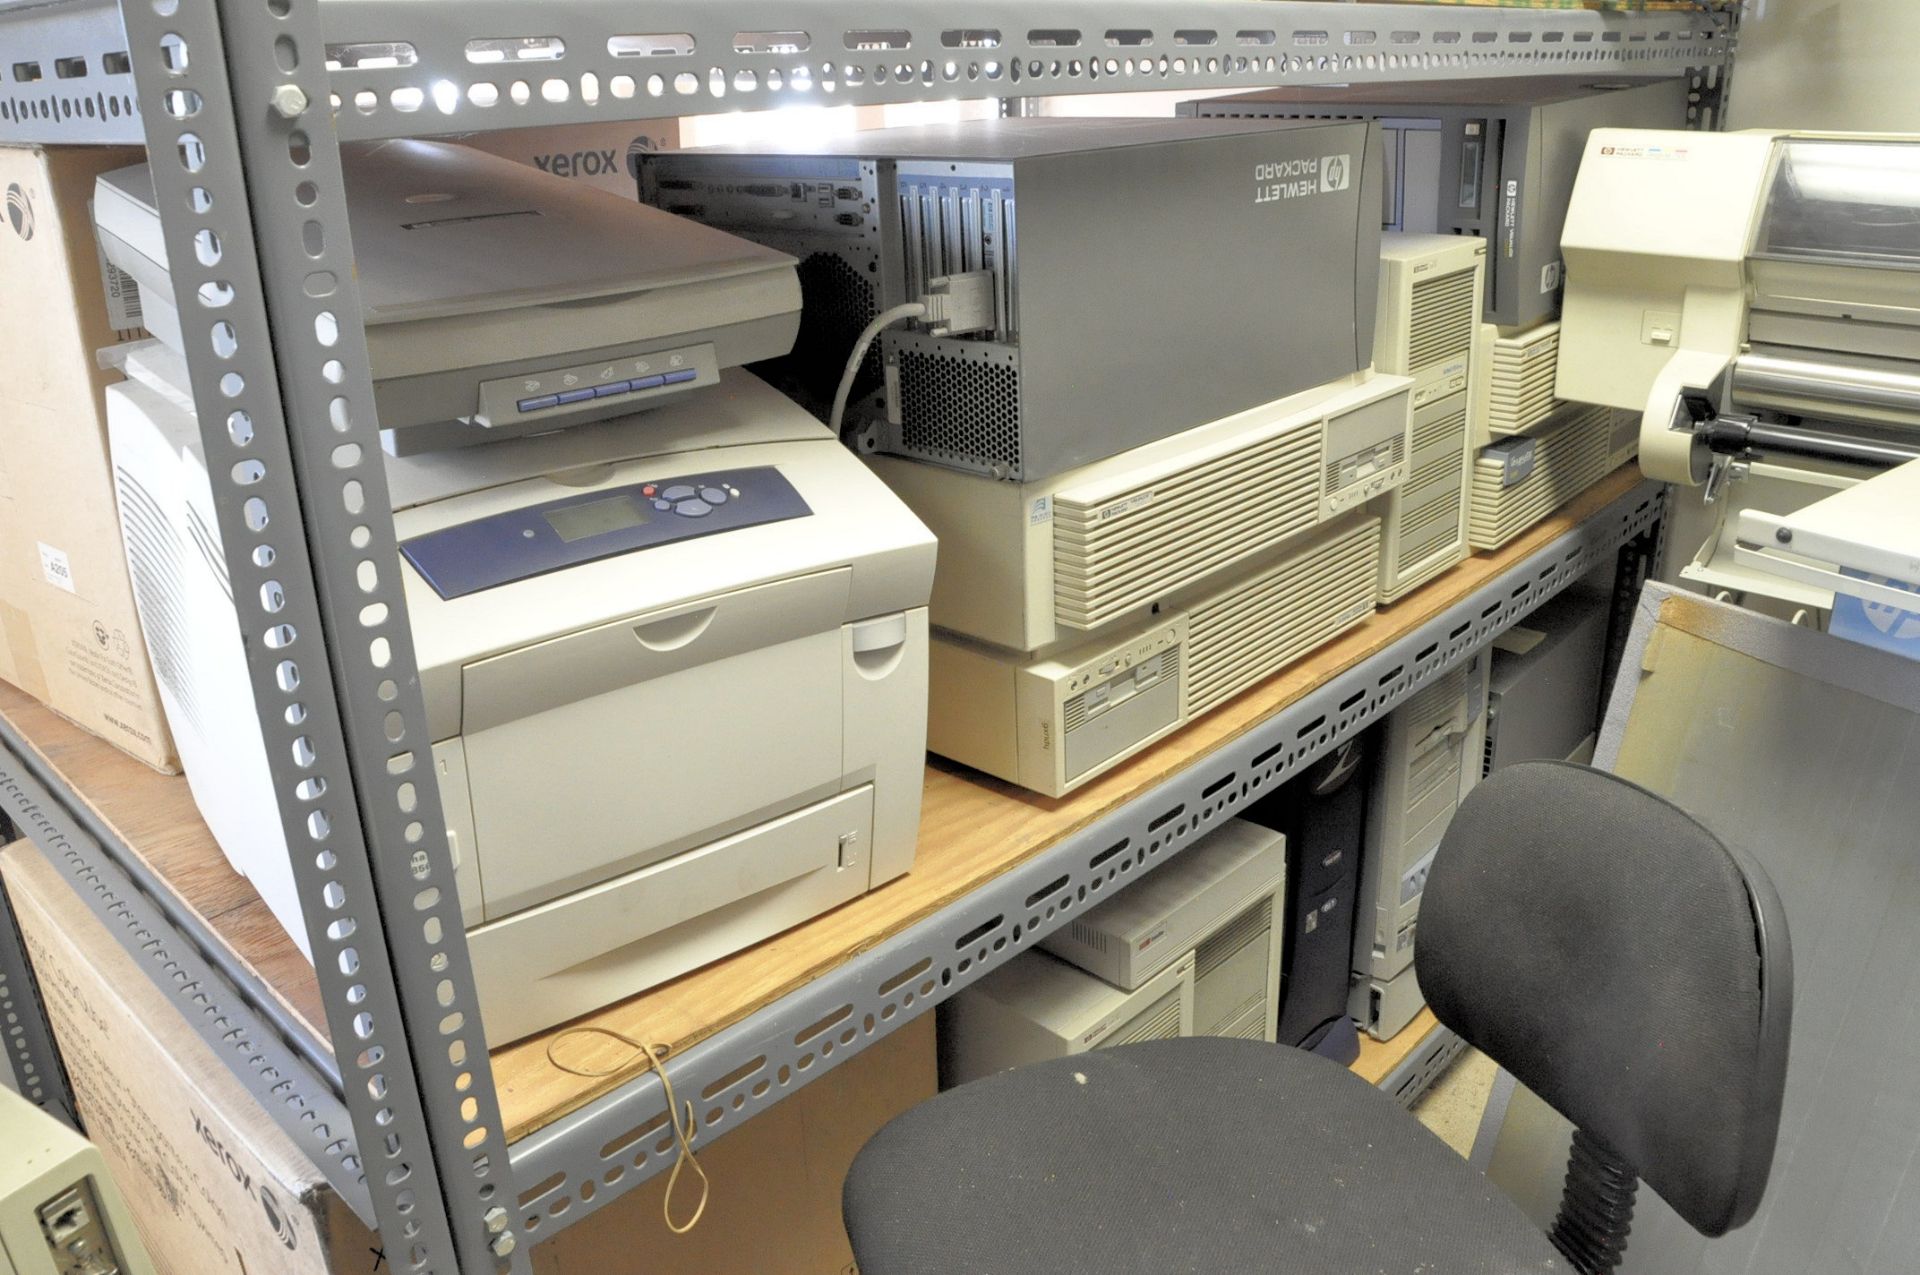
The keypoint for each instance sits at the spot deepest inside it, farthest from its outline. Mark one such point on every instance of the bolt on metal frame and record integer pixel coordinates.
(241, 106)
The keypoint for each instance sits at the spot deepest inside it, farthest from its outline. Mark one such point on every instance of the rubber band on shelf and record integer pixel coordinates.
(682, 1129)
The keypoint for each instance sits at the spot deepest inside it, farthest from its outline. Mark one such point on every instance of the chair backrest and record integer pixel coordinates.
(1627, 967)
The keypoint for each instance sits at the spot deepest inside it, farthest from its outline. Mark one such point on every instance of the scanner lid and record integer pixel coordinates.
(441, 229)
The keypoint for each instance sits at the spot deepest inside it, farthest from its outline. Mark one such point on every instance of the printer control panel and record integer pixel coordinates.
(586, 527)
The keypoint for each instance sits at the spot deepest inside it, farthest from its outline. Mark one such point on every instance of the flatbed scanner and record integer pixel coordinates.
(501, 300)
(675, 670)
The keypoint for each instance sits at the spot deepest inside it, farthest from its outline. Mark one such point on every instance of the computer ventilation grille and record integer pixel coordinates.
(1445, 311)
(836, 302)
(1159, 1021)
(1570, 455)
(1127, 548)
(1241, 636)
(1521, 380)
(959, 410)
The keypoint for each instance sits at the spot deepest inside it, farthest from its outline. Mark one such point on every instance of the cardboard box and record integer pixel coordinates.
(218, 1189)
(605, 156)
(69, 634)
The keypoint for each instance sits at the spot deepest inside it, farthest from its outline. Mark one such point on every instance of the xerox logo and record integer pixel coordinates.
(277, 1216)
(1336, 173)
(20, 210)
(278, 1219)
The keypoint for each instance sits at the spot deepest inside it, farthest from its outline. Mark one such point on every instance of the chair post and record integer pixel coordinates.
(1596, 1207)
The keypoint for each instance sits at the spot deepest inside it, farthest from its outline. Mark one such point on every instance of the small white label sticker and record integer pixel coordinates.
(1669, 154)
(1042, 511)
(55, 567)
(124, 310)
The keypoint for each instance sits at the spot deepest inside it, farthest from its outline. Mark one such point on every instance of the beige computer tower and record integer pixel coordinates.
(1430, 758)
(1428, 328)
(1052, 723)
(1055, 722)
(1520, 480)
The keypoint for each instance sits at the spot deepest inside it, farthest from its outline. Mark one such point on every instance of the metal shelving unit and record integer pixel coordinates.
(241, 105)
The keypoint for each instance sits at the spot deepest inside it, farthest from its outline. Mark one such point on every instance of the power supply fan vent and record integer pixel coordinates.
(155, 559)
(1159, 1021)
(1444, 311)
(836, 302)
(960, 411)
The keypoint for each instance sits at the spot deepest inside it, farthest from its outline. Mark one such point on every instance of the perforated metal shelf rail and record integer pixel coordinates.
(241, 104)
(400, 68)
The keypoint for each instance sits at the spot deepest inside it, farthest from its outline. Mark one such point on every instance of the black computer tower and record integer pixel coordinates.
(1322, 813)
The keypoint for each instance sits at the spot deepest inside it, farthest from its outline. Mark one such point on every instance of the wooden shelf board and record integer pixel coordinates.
(972, 830)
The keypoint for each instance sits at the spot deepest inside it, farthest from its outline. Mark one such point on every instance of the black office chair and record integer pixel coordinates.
(1593, 939)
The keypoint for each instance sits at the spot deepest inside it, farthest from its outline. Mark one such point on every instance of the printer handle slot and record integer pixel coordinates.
(879, 644)
(675, 631)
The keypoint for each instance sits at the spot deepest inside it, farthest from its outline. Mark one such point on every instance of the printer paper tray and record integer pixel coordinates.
(618, 938)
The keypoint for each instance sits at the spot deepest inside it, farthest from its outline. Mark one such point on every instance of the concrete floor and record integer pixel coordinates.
(1453, 1105)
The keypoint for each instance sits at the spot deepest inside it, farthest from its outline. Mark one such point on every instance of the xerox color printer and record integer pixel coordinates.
(674, 666)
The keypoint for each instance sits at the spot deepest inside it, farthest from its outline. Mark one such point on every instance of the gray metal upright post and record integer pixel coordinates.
(26, 1041)
(247, 173)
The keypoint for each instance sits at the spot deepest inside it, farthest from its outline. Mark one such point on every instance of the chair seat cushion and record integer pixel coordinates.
(1200, 1156)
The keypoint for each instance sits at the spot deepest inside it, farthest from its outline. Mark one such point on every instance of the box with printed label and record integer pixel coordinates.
(217, 1188)
(69, 634)
(606, 156)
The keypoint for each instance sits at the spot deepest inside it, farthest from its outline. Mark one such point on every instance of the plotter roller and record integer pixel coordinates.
(1754, 297)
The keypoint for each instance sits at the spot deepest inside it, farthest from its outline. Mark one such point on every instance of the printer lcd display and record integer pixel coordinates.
(596, 518)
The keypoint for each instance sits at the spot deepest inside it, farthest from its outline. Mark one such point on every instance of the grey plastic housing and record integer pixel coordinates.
(1152, 274)
(1531, 132)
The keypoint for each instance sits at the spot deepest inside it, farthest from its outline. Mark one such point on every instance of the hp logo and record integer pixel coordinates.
(1336, 173)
